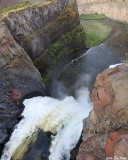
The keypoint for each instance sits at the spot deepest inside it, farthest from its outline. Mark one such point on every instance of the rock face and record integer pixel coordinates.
(33, 28)
(92, 149)
(9, 112)
(46, 24)
(117, 10)
(117, 144)
(109, 115)
(17, 67)
(25, 35)
(18, 78)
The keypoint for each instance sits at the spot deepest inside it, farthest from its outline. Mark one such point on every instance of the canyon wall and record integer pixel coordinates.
(39, 34)
(8, 3)
(37, 28)
(117, 10)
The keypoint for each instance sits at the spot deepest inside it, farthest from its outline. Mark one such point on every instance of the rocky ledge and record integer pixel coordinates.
(32, 40)
(106, 129)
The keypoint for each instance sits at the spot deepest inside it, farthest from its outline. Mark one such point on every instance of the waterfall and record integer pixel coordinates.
(63, 118)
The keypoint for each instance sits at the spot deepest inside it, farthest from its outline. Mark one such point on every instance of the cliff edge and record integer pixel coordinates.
(32, 39)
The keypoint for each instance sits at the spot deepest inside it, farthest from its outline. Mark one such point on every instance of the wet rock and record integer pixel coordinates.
(18, 77)
(14, 85)
(22, 77)
(30, 30)
(18, 70)
(8, 112)
(16, 96)
(40, 149)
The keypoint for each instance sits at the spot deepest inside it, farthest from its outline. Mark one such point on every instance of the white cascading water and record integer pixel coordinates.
(115, 65)
(64, 117)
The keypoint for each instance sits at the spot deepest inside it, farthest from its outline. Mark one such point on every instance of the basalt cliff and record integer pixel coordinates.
(33, 39)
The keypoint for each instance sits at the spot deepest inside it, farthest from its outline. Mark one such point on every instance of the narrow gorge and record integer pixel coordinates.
(63, 81)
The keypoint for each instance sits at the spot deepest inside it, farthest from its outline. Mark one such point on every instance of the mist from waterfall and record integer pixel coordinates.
(63, 118)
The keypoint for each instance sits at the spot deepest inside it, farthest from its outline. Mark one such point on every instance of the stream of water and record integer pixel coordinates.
(61, 117)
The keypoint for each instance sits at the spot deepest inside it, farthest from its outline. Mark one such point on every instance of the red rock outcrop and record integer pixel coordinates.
(15, 96)
(117, 144)
(110, 100)
(108, 117)
(92, 149)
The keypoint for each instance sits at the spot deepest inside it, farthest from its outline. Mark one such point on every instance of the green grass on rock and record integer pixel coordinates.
(126, 26)
(96, 31)
(92, 16)
(15, 7)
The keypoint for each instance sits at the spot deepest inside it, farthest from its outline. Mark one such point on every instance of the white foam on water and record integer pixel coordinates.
(64, 116)
(115, 65)
(67, 138)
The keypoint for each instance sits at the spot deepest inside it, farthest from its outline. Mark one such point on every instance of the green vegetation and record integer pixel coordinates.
(47, 77)
(96, 32)
(63, 19)
(92, 16)
(126, 26)
(24, 5)
(70, 43)
(15, 7)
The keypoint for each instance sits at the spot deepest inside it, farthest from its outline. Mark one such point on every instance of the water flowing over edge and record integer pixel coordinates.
(63, 117)
(115, 65)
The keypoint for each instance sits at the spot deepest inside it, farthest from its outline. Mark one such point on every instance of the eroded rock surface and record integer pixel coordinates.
(110, 114)
(18, 78)
(9, 112)
(17, 67)
(34, 31)
(117, 144)
(92, 149)
(117, 9)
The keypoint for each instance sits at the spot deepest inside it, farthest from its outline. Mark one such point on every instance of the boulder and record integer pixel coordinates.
(109, 118)
(110, 100)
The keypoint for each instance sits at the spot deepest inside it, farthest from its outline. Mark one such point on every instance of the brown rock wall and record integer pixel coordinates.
(109, 118)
